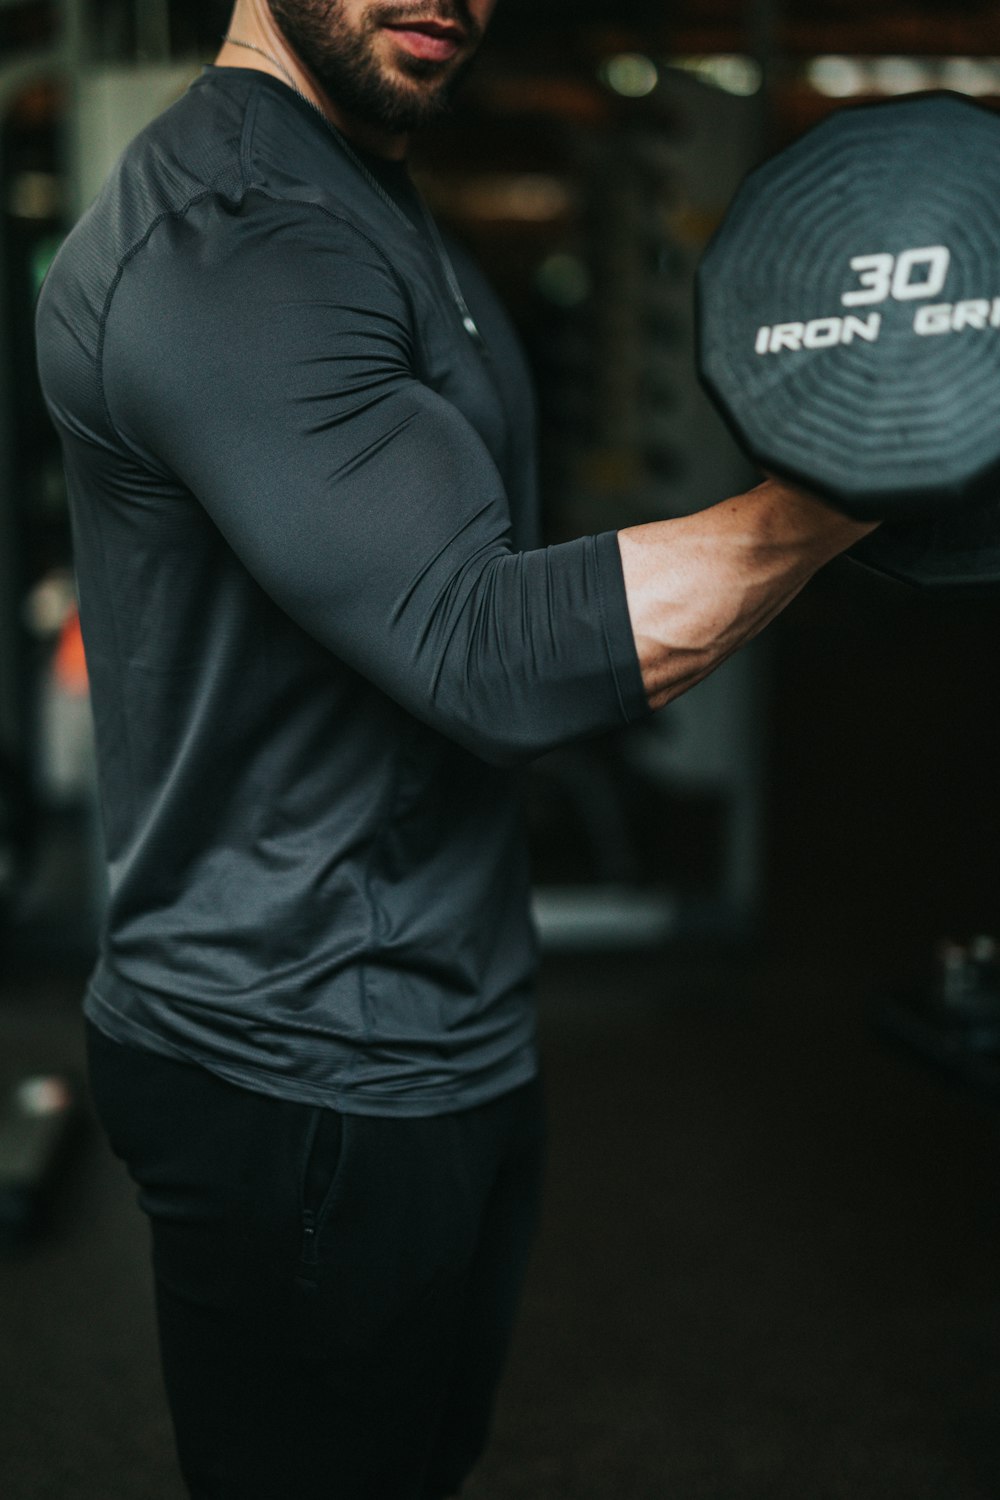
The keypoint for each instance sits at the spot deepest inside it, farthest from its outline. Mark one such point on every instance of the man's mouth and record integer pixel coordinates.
(434, 41)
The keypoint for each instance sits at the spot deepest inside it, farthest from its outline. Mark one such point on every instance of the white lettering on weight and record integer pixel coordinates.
(882, 277)
(820, 333)
(915, 275)
(936, 259)
(786, 336)
(929, 321)
(953, 317)
(933, 319)
(970, 315)
(875, 276)
(868, 330)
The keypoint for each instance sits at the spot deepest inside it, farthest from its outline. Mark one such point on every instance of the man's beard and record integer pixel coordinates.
(344, 63)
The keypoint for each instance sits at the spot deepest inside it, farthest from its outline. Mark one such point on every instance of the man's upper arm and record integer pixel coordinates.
(268, 365)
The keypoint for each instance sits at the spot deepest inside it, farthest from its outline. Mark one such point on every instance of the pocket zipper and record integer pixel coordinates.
(310, 1239)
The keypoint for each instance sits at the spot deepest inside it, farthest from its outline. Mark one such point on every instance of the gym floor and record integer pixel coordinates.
(769, 1259)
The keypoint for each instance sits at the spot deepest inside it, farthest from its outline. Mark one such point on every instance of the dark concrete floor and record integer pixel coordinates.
(768, 1266)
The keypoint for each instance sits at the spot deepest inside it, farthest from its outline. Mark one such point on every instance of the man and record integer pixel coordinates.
(321, 638)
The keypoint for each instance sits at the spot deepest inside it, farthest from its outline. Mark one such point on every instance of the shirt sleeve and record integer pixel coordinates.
(272, 373)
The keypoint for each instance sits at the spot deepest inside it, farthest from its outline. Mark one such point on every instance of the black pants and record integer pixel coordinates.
(335, 1293)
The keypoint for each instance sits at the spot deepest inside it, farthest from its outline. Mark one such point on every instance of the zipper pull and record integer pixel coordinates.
(468, 323)
(310, 1239)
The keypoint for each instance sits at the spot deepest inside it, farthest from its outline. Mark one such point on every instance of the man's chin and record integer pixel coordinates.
(420, 97)
(424, 70)
(403, 110)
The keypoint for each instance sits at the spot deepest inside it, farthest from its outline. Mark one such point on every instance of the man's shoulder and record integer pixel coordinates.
(185, 155)
(228, 175)
(235, 165)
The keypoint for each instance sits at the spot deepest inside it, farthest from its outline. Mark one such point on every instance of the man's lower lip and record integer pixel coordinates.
(424, 44)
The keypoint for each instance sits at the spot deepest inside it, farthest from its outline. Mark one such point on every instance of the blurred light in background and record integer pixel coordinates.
(727, 71)
(900, 75)
(35, 195)
(634, 76)
(630, 74)
(835, 76)
(563, 278)
(514, 197)
(970, 75)
(839, 77)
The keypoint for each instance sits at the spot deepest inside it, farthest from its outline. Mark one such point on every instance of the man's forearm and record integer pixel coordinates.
(700, 586)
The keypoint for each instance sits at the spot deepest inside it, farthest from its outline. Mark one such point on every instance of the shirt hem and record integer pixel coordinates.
(448, 1099)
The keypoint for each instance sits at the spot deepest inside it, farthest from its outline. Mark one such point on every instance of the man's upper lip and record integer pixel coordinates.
(431, 27)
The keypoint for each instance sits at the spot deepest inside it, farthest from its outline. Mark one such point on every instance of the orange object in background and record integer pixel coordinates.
(69, 664)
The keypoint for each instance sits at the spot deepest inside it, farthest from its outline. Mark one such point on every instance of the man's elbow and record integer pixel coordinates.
(503, 745)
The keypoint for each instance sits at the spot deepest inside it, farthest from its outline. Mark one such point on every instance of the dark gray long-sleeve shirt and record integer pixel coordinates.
(320, 632)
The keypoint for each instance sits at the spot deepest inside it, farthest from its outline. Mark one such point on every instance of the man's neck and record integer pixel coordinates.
(254, 41)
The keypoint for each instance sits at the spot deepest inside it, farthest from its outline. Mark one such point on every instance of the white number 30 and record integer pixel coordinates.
(885, 276)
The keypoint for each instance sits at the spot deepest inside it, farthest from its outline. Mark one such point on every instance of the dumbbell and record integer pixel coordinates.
(849, 328)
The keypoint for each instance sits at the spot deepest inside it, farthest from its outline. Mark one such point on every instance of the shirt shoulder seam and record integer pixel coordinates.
(178, 212)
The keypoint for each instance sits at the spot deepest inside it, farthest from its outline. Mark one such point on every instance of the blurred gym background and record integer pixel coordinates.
(770, 999)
